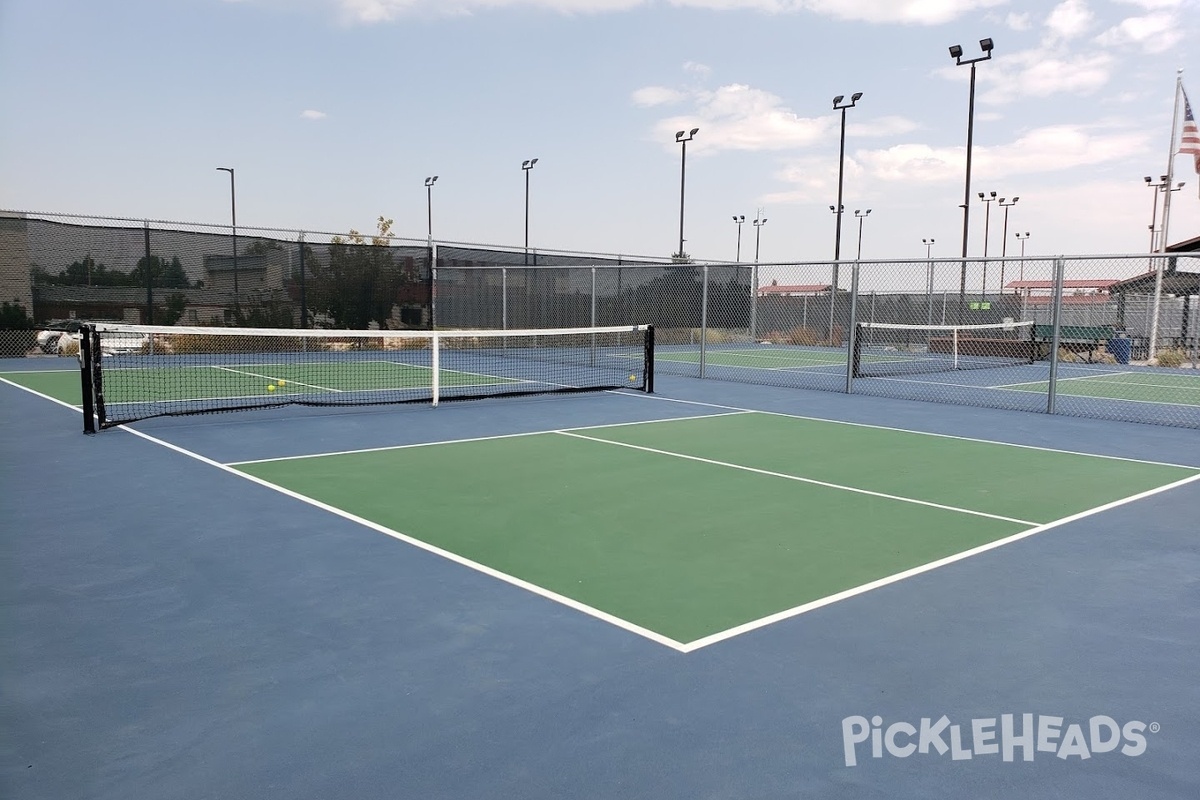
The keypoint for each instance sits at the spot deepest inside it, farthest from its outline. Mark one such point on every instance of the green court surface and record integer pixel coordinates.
(688, 528)
(1144, 387)
(245, 380)
(756, 358)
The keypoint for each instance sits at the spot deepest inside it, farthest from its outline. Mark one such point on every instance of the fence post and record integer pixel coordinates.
(149, 275)
(703, 316)
(754, 302)
(1056, 337)
(303, 297)
(852, 333)
(504, 298)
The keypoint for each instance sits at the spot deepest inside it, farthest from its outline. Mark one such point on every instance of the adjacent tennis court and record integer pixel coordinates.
(1140, 386)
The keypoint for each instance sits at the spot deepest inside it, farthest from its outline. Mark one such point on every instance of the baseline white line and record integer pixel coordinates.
(385, 448)
(799, 479)
(446, 554)
(914, 432)
(706, 641)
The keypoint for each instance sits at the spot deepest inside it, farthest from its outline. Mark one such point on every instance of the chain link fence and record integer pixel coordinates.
(1113, 337)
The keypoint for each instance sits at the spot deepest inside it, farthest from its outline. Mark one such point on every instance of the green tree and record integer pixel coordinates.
(14, 318)
(361, 282)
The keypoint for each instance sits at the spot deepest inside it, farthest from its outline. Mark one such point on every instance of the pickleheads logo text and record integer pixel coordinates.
(1027, 734)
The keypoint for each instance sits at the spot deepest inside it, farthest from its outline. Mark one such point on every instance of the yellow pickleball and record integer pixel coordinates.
(283, 383)
(270, 387)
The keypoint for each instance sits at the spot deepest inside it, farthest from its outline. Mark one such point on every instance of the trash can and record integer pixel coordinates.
(1120, 347)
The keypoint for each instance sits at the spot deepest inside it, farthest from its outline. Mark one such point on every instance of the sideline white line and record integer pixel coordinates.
(385, 448)
(722, 636)
(799, 479)
(1090, 376)
(1041, 448)
(450, 556)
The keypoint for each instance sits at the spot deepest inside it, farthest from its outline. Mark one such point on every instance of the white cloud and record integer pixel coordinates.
(651, 96)
(915, 12)
(1034, 73)
(1153, 33)
(738, 117)
(311, 114)
(1048, 149)
(696, 69)
(1019, 22)
(1069, 20)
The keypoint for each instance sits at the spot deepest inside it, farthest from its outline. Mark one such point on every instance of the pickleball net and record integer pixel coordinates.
(890, 349)
(133, 372)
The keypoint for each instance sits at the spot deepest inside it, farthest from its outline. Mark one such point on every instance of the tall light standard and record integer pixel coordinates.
(929, 278)
(526, 166)
(1024, 294)
(429, 182)
(956, 52)
(758, 224)
(838, 105)
(683, 140)
(860, 215)
(739, 219)
(233, 214)
(1006, 205)
(987, 223)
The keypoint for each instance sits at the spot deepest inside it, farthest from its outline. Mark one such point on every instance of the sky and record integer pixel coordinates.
(334, 112)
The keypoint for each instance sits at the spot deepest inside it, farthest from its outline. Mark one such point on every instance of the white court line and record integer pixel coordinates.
(273, 378)
(799, 479)
(914, 432)
(722, 636)
(1060, 380)
(385, 448)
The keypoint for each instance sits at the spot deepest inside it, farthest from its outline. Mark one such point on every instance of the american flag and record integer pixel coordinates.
(1190, 141)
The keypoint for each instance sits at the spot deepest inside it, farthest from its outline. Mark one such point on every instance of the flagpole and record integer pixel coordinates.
(1166, 222)
(1158, 269)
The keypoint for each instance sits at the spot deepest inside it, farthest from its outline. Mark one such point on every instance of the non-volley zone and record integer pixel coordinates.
(1140, 385)
(689, 531)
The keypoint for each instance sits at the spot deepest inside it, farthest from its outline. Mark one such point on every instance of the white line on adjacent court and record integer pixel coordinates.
(797, 478)
(1087, 377)
(385, 448)
(915, 433)
(273, 378)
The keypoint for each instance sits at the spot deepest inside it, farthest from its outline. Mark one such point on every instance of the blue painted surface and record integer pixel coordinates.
(175, 631)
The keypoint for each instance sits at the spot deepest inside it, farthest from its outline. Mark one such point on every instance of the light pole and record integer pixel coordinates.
(526, 166)
(987, 223)
(233, 214)
(739, 219)
(860, 215)
(1006, 205)
(683, 140)
(1024, 294)
(758, 223)
(429, 182)
(956, 52)
(929, 278)
(838, 105)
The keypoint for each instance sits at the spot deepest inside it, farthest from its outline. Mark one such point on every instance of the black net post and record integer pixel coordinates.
(85, 378)
(97, 378)
(650, 359)
(149, 275)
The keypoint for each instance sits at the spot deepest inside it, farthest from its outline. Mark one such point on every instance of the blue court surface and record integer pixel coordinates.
(718, 590)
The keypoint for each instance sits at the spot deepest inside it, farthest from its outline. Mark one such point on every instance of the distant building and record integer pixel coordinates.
(797, 290)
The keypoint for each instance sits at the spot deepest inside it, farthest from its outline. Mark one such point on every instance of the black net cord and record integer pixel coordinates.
(85, 378)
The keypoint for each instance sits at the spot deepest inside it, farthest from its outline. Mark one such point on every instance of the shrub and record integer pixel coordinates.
(1171, 357)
